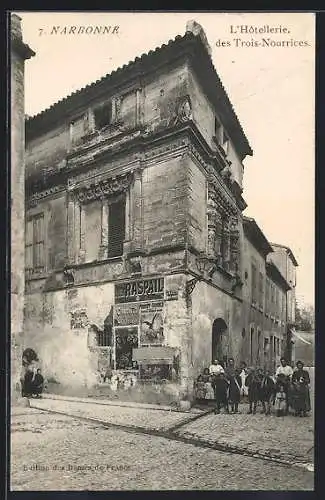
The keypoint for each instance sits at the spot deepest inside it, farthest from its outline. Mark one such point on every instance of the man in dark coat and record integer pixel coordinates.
(267, 392)
(253, 382)
(220, 386)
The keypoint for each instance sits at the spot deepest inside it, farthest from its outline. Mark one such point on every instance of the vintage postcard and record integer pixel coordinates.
(162, 271)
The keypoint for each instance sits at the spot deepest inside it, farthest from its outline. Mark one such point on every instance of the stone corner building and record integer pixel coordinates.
(19, 53)
(136, 246)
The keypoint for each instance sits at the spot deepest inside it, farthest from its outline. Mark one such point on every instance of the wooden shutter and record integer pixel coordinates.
(116, 229)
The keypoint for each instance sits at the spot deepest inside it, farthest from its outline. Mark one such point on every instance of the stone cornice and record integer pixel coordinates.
(104, 188)
(35, 198)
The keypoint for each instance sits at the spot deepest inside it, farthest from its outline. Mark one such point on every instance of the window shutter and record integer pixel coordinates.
(116, 231)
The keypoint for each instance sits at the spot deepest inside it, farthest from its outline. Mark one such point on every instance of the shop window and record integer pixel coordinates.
(116, 228)
(103, 115)
(126, 339)
(34, 244)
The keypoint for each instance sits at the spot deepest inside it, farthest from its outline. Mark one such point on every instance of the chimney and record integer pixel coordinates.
(197, 30)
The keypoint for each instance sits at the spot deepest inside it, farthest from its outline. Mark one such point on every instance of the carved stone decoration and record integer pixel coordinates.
(38, 196)
(104, 189)
(234, 246)
(184, 111)
(68, 276)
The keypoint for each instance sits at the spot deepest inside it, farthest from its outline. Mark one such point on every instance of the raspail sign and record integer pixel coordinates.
(142, 289)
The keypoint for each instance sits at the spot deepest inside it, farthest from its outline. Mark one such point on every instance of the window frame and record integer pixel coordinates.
(35, 243)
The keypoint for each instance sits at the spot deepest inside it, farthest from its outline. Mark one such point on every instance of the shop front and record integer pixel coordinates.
(141, 356)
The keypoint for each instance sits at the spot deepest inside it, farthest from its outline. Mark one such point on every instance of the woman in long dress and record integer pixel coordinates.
(300, 390)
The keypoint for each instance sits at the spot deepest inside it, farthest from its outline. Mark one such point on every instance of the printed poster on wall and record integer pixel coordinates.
(151, 324)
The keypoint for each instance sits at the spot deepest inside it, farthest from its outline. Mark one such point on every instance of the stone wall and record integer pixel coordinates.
(164, 203)
(19, 52)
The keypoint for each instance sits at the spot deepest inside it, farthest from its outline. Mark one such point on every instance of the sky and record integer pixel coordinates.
(272, 90)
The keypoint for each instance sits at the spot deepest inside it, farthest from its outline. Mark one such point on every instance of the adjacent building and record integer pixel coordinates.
(19, 53)
(138, 256)
(287, 264)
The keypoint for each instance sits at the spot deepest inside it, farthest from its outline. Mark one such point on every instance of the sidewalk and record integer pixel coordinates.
(132, 415)
(287, 438)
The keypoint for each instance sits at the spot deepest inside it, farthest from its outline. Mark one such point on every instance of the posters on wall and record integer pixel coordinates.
(126, 339)
(151, 323)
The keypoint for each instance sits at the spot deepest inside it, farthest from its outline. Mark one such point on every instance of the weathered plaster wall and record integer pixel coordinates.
(208, 304)
(63, 350)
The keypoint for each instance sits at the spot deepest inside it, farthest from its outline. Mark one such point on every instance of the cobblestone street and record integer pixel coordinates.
(58, 452)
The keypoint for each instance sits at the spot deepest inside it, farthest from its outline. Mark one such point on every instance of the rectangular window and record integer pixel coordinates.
(261, 290)
(103, 115)
(34, 244)
(116, 228)
(92, 229)
(254, 284)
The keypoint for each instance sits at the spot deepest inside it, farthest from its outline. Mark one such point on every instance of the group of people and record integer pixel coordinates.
(32, 384)
(228, 385)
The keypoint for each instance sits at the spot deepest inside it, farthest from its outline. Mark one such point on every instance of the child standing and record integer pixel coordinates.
(280, 401)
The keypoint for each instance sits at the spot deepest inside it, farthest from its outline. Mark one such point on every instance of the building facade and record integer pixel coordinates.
(283, 257)
(135, 244)
(19, 53)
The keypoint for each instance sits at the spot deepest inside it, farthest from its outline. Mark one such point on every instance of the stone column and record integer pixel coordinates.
(127, 215)
(82, 249)
(226, 244)
(218, 244)
(76, 234)
(137, 212)
(104, 230)
(139, 106)
(71, 229)
(234, 247)
(19, 52)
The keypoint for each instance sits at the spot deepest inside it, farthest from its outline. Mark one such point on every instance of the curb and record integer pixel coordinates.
(107, 402)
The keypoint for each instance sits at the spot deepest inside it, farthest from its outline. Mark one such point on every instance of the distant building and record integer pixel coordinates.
(138, 255)
(264, 301)
(287, 264)
(19, 53)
